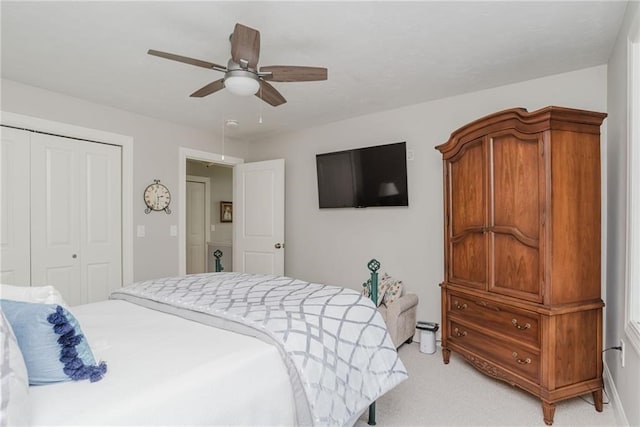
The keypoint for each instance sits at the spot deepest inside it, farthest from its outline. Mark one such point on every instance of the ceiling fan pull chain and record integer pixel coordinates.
(260, 118)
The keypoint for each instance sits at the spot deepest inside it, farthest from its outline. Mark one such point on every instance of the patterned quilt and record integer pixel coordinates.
(334, 342)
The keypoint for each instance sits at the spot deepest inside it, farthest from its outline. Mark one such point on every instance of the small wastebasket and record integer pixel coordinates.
(427, 336)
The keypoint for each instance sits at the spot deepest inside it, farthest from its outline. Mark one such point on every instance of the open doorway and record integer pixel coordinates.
(209, 216)
(198, 236)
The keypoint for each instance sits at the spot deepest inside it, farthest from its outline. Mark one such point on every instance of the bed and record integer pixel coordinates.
(227, 349)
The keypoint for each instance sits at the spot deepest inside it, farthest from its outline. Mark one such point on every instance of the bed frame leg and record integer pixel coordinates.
(372, 414)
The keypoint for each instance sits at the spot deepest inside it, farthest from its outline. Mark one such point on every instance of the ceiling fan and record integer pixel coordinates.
(241, 75)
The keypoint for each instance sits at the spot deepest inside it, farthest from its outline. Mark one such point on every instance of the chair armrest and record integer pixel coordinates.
(402, 304)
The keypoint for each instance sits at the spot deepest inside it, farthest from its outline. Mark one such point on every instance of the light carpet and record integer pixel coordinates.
(459, 395)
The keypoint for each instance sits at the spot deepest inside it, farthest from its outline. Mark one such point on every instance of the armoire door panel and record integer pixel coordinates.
(467, 203)
(468, 260)
(515, 269)
(515, 175)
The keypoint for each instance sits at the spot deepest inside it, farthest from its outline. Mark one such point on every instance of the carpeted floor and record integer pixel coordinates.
(459, 395)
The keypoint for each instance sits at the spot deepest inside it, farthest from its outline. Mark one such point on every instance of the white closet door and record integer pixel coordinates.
(14, 212)
(55, 215)
(75, 217)
(100, 220)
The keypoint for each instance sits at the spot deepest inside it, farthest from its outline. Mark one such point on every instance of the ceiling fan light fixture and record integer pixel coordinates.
(241, 83)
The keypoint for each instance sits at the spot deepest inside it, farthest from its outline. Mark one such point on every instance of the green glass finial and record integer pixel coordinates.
(218, 254)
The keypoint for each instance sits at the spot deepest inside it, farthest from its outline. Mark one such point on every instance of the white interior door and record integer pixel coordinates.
(100, 220)
(55, 215)
(15, 266)
(197, 221)
(258, 199)
(76, 224)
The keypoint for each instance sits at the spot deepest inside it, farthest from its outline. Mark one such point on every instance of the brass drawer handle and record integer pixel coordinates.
(518, 326)
(520, 361)
(460, 333)
(458, 306)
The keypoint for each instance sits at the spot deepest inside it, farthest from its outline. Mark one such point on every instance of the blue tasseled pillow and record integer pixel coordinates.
(52, 343)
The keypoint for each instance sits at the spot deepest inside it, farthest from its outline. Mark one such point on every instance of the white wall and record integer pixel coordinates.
(627, 379)
(334, 245)
(155, 155)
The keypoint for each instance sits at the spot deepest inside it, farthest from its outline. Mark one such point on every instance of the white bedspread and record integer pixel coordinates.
(164, 370)
(333, 340)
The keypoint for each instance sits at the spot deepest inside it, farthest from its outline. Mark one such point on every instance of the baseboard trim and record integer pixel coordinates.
(614, 398)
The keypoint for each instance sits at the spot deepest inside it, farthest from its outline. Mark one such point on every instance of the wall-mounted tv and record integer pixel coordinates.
(362, 177)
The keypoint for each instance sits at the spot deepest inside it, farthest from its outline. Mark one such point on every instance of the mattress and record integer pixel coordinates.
(163, 369)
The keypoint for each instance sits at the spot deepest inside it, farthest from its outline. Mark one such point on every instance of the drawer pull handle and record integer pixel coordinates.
(518, 326)
(460, 333)
(458, 306)
(520, 361)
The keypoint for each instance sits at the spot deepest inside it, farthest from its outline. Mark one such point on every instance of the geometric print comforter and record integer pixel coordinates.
(333, 340)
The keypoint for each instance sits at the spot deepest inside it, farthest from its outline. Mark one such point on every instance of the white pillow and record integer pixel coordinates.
(35, 294)
(14, 410)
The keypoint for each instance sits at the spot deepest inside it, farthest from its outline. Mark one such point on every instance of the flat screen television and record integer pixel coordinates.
(363, 177)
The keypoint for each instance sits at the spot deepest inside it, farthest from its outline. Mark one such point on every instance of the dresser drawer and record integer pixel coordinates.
(512, 357)
(520, 324)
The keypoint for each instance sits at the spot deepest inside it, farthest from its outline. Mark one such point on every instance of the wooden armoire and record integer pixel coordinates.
(521, 292)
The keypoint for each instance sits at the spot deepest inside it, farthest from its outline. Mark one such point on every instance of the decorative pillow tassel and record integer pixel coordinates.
(74, 366)
(97, 372)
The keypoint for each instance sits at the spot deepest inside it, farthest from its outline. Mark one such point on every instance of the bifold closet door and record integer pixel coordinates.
(75, 217)
(15, 262)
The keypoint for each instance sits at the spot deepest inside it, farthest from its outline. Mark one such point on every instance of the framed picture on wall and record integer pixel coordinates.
(226, 212)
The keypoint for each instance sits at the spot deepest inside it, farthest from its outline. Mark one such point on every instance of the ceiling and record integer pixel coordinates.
(380, 55)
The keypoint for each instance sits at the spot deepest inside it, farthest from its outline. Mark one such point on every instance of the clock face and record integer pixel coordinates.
(157, 197)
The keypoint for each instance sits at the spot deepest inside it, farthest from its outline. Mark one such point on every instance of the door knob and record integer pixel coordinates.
(278, 245)
(74, 256)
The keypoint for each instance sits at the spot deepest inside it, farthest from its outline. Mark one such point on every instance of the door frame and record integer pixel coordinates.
(185, 153)
(36, 124)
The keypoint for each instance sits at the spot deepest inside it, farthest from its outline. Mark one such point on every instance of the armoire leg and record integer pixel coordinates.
(597, 399)
(548, 410)
(445, 355)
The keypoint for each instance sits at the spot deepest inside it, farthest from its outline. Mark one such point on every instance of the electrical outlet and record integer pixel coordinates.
(622, 353)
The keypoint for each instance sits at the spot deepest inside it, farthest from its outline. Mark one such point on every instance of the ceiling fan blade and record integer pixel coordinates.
(209, 89)
(187, 60)
(269, 94)
(289, 73)
(245, 45)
